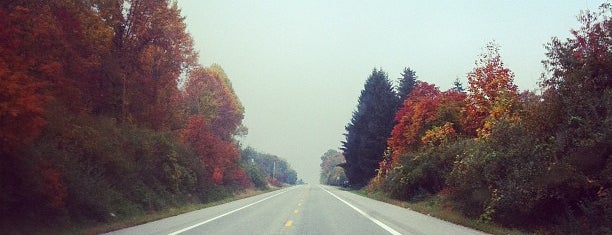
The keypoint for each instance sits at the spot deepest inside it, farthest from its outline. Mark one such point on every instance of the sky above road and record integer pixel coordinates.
(298, 66)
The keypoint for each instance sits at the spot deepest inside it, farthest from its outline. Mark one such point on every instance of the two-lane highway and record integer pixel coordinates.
(303, 209)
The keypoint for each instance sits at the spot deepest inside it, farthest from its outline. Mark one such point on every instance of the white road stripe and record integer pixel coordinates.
(229, 212)
(377, 222)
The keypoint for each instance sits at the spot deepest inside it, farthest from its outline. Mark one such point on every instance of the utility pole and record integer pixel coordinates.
(273, 170)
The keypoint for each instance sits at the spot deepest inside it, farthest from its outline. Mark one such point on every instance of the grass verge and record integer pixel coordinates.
(436, 206)
(121, 223)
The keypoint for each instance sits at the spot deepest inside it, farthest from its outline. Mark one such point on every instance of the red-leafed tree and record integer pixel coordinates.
(216, 154)
(413, 119)
(24, 71)
(214, 116)
(426, 111)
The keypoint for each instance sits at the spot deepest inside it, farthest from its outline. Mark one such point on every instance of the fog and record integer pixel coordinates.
(298, 66)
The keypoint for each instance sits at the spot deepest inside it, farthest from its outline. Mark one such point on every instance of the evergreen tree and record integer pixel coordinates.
(458, 86)
(367, 133)
(406, 83)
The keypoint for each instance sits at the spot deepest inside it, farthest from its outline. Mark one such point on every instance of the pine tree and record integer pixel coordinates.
(458, 86)
(366, 136)
(406, 83)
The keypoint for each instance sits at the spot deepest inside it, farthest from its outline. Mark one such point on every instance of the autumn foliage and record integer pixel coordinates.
(539, 162)
(428, 116)
(105, 112)
(492, 94)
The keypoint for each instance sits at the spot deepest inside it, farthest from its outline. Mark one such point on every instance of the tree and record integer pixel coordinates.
(331, 174)
(458, 86)
(580, 83)
(151, 49)
(209, 92)
(369, 128)
(426, 115)
(406, 83)
(579, 88)
(415, 117)
(21, 77)
(276, 170)
(492, 94)
(214, 115)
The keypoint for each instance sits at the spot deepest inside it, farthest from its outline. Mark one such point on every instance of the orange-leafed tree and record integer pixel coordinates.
(426, 116)
(209, 92)
(492, 94)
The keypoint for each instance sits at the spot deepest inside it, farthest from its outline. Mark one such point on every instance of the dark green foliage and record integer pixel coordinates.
(257, 175)
(109, 168)
(423, 172)
(458, 86)
(579, 87)
(406, 83)
(270, 166)
(366, 134)
(501, 180)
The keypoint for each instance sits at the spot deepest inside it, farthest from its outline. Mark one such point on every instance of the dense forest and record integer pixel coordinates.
(105, 113)
(532, 159)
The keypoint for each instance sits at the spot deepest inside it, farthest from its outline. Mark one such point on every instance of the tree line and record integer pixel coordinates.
(524, 159)
(105, 113)
(270, 168)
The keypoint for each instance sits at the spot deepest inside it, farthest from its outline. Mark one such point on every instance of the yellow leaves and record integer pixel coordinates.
(439, 135)
(492, 93)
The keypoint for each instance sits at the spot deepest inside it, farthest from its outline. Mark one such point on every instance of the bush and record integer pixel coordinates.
(422, 173)
(111, 168)
(257, 175)
(501, 180)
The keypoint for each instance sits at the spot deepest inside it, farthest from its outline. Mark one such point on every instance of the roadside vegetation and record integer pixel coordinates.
(440, 207)
(106, 115)
(538, 161)
(132, 220)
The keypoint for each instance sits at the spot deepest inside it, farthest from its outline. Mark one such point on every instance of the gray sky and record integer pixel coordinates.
(298, 66)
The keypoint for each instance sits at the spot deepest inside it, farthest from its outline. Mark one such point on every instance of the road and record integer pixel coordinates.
(302, 209)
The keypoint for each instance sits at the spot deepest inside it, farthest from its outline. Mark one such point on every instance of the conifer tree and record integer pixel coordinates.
(406, 83)
(366, 134)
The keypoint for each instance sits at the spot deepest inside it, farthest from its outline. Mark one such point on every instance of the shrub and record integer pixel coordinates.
(497, 179)
(422, 173)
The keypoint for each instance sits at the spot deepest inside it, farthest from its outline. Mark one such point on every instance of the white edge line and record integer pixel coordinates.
(227, 213)
(377, 222)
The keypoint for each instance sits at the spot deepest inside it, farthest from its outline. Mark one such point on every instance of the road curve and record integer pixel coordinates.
(303, 209)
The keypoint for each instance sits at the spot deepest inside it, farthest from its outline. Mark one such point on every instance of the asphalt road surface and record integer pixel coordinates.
(302, 209)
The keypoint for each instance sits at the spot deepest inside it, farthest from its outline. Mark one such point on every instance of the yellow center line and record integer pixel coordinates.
(295, 211)
(288, 223)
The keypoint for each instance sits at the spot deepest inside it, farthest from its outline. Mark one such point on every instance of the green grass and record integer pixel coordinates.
(441, 208)
(119, 223)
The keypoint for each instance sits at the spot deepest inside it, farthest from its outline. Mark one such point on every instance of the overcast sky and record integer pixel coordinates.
(298, 66)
